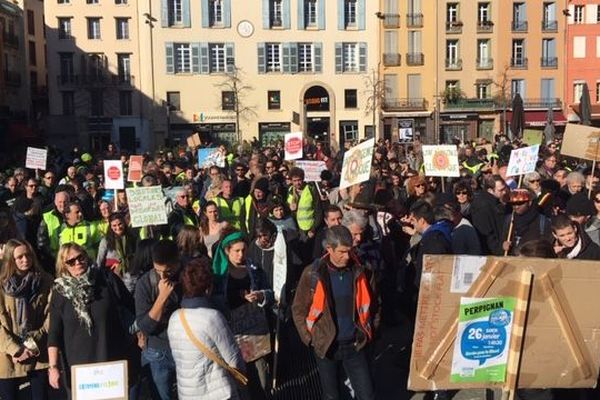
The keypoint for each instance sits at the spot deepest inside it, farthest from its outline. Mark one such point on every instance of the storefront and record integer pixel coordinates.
(269, 133)
(407, 126)
(209, 133)
(458, 126)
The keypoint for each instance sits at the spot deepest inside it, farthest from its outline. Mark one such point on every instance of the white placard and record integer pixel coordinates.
(441, 160)
(466, 270)
(146, 206)
(312, 169)
(100, 381)
(279, 264)
(36, 158)
(523, 161)
(357, 164)
(113, 174)
(293, 146)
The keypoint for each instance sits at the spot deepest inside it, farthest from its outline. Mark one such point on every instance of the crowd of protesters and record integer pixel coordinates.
(165, 297)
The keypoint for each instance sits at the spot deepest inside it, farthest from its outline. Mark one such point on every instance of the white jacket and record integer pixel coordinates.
(197, 376)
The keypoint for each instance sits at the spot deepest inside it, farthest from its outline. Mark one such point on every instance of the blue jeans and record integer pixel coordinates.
(357, 369)
(162, 368)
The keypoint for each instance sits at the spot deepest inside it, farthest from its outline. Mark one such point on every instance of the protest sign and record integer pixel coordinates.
(523, 161)
(113, 174)
(581, 141)
(489, 149)
(146, 206)
(441, 160)
(279, 264)
(251, 330)
(36, 158)
(312, 169)
(134, 174)
(293, 146)
(100, 381)
(561, 339)
(209, 157)
(533, 136)
(357, 164)
(194, 141)
(481, 344)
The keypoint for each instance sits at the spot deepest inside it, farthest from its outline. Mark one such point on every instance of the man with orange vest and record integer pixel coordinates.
(334, 311)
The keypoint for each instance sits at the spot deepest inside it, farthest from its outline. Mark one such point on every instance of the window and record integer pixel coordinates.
(310, 13)
(93, 25)
(121, 2)
(452, 12)
(122, 28)
(183, 58)
(32, 53)
(305, 57)
(547, 90)
(64, 28)
(350, 13)
(68, 102)
(228, 101)
(579, 14)
(30, 22)
(33, 80)
(95, 63)
(63, 1)
(483, 90)
(549, 22)
(276, 13)
(175, 12)
(124, 67)
(349, 130)
(215, 12)
(66, 67)
(452, 85)
(518, 53)
(597, 92)
(350, 57)
(452, 53)
(125, 102)
(483, 12)
(549, 58)
(217, 57)
(92, 1)
(350, 98)
(274, 57)
(174, 100)
(598, 14)
(96, 102)
(274, 100)
(517, 86)
(579, 46)
(483, 53)
(577, 91)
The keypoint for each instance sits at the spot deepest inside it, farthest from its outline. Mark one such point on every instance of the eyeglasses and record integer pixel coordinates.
(239, 170)
(462, 192)
(32, 186)
(184, 196)
(81, 259)
(534, 181)
(420, 185)
(49, 177)
(519, 203)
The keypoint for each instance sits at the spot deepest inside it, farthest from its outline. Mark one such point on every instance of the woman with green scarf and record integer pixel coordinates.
(117, 248)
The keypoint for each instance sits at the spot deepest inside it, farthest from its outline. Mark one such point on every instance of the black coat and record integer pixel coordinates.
(488, 216)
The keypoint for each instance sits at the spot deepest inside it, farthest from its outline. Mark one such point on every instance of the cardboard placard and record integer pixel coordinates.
(441, 160)
(293, 146)
(561, 348)
(146, 206)
(135, 172)
(209, 157)
(312, 169)
(251, 330)
(533, 136)
(100, 381)
(36, 158)
(581, 141)
(194, 141)
(113, 174)
(357, 164)
(523, 161)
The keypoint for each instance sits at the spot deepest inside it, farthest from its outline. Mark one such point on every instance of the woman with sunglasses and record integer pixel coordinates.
(533, 182)
(416, 187)
(24, 299)
(117, 247)
(463, 192)
(88, 313)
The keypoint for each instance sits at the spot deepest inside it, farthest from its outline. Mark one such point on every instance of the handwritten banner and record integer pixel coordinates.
(523, 161)
(441, 160)
(357, 164)
(134, 174)
(107, 380)
(36, 158)
(209, 157)
(312, 169)
(146, 206)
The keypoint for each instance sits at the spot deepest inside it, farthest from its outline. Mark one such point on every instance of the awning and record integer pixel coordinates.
(538, 118)
(595, 110)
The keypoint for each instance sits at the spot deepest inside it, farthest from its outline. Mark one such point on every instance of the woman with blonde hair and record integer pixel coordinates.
(23, 321)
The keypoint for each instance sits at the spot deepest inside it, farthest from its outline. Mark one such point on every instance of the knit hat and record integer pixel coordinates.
(262, 184)
(579, 205)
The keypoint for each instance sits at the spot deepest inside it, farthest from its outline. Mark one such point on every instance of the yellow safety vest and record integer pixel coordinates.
(248, 206)
(196, 206)
(53, 224)
(84, 234)
(474, 169)
(232, 213)
(102, 227)
(305, 213)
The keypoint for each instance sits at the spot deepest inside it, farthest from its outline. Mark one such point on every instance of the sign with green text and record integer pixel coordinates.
(146, 206)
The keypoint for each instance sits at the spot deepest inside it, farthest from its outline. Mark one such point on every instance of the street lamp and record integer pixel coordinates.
(150, 20)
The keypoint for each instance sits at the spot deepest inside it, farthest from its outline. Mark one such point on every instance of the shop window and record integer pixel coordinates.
(350, 98)
(274, 99)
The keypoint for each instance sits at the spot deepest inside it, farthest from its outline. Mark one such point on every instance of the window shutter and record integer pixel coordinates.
(204, 10)
(185, 11)
(229, 57)
(341, 15)
(321, 16)
(301, 14)
(362, 57)
(266, 14)
(361, 14)
(195, 58)
(552, 48)
(164, 13)
(339, 58)
(293, 58)
(318, 61)
(286, 14)
(285, 57)
(227, 13)
(170, 58)
(204, 59)
(262, 58)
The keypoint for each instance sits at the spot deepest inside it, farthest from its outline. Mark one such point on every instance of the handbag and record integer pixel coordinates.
(236, 373)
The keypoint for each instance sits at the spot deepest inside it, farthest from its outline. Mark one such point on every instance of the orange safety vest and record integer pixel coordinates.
(362, 300)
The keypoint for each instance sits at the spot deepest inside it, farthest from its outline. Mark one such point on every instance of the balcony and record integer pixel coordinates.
(549, 62)
(276, 23)
(391, 59)
(485, 63)
(453, 64)
(12, 78)
(550, 26)
(39, 92)
(414, 20)
(519, 26)
(518, 63)
(391, 20)
(412, 104)
(11, 40)
(454, 26)
(66, 79)
(542, 104)
(415, 59)
(470, 104)
(485, 26)
(102, 80)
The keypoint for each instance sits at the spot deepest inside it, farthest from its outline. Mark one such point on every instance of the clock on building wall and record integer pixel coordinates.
(245, 28)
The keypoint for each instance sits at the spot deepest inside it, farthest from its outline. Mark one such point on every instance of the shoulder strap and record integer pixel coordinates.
(208, 353)
(314, 275)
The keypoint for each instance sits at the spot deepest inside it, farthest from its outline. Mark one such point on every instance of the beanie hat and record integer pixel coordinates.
(262, 184)
(579, 205)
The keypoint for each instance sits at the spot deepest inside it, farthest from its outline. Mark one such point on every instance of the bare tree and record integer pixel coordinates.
(375, 95)
(234, 83)
(502, 95)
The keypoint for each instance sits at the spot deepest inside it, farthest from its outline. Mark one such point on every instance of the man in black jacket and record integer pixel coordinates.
(488, 212)
(182, 213)
(528, 223)
(571, 242)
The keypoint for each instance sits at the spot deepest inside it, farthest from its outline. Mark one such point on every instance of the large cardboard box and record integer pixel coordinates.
(561, 347)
